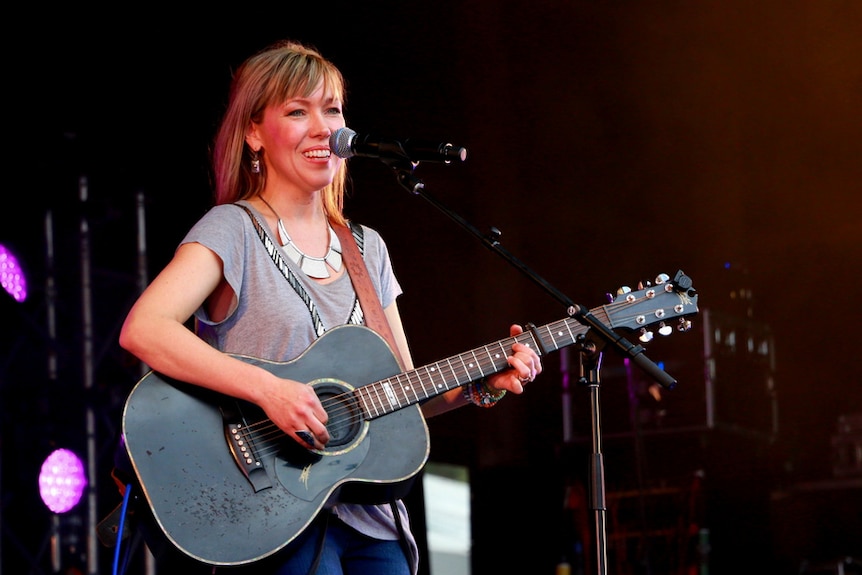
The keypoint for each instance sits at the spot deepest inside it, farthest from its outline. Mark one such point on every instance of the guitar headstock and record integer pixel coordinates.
(656, 304)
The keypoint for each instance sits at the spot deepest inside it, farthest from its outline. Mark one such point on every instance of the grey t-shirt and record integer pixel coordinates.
(271, 321)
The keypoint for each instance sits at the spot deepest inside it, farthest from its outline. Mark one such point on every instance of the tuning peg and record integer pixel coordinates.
(624, 290)
(684, 324)
(661, 278)
(646, 335)
(664, 329)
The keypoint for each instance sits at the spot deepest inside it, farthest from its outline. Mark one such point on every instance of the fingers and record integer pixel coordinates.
(524, 360)
(297, 410)
(312, 440)
(313, 433)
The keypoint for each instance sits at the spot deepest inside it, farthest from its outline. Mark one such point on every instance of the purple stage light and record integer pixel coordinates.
(11, 275)
(62, 480)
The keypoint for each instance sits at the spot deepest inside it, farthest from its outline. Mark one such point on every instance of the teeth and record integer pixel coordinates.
(318, 154)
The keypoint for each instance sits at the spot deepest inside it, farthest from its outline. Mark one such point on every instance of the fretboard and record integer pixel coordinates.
(425, 382)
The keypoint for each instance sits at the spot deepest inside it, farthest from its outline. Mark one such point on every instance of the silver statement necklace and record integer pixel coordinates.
(310, 265)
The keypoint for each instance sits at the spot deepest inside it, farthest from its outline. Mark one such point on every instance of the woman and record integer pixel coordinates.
(276, 181)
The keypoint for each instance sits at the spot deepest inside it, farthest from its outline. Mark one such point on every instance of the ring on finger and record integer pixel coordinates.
(306, 436)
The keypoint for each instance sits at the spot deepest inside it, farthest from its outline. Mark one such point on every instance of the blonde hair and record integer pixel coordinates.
(284, 70)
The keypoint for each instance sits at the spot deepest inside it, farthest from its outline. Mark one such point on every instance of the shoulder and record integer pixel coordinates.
(229, 212)
(224, 214)
(221, 225)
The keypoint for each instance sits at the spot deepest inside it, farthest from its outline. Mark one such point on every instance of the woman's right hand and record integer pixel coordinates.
(295, 408)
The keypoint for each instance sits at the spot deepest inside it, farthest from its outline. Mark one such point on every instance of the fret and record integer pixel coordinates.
(490, 357)
(362, 402)
(470, 376)
(376, 397)
(454, 374)
(443, 385)
(496, 357)
(574, 335)
(421, 383)
(527, 339)
(553, 341)
(409, 387)
(429, 370)
(478, 364)
(368, 401)
(397, 390)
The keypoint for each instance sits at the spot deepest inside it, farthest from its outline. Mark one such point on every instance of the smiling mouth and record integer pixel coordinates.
(317, 154)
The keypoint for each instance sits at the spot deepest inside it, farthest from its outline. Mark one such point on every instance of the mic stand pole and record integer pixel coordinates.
(590, 376)
(404, 169)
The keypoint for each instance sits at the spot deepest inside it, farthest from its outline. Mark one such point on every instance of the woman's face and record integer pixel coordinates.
(294, 136)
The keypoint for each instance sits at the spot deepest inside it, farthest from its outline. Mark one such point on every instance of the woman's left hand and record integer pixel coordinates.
(525, 363)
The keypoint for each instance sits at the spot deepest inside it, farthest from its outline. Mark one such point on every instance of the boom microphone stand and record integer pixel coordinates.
(591, 345)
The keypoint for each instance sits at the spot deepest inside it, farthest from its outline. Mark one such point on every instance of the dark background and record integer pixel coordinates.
(609, 142)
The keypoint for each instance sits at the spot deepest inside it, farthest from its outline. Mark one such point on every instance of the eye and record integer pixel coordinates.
(298, 112)
(334, 111)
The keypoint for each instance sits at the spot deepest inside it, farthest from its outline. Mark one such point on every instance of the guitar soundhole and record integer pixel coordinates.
(345, 417)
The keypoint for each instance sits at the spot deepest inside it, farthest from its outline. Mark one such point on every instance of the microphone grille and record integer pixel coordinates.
(340, 142)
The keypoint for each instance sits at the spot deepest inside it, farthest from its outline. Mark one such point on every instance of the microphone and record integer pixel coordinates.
(345, 143)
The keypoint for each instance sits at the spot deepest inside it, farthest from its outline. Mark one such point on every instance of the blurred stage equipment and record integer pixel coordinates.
(685, 464)
(727, 383)
(832, 505)
(847, 446)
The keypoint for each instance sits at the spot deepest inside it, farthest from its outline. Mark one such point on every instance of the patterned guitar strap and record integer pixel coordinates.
(368, 299)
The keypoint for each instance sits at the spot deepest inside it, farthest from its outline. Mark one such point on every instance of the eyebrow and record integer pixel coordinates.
(304, 99)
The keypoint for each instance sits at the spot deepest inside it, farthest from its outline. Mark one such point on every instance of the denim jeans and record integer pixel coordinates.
(345, 552)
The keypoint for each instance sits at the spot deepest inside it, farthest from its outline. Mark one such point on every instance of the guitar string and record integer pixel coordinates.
(406, 393)
(266, 431)
(344, 402)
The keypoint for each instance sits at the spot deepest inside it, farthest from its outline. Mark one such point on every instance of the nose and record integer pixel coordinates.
(320, 126)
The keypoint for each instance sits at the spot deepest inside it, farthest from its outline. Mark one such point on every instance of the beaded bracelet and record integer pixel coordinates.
(478, 393)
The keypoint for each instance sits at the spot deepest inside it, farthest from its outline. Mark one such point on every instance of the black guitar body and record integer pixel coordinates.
(178, 438)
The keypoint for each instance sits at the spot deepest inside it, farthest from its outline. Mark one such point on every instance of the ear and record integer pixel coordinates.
(252, 139)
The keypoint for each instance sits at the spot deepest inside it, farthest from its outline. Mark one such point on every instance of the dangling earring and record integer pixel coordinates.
(255, 163)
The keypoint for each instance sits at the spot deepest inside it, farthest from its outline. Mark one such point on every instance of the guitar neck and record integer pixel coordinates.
(630, 310)
(425, 382)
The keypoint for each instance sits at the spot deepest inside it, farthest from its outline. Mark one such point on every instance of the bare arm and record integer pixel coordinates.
(156, 333)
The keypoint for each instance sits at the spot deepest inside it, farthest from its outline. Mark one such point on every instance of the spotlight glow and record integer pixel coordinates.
(11, 275)
(62, 480)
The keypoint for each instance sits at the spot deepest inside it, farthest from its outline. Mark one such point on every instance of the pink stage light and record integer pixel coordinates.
(11, 275)
(62, 480)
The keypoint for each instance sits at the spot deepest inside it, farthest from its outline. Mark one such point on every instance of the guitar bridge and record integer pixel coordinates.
(244, 454)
